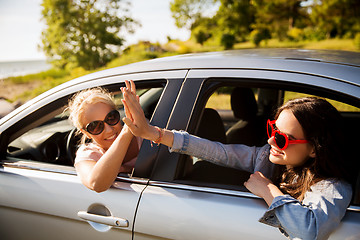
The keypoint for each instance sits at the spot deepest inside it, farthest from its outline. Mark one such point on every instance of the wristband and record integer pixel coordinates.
(158, 140)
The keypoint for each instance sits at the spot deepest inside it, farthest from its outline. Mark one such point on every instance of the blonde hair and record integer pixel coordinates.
(78, 103)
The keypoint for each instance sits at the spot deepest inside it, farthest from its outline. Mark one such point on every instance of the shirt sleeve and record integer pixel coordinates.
(316, 217)
(238, 156)
(88, 153)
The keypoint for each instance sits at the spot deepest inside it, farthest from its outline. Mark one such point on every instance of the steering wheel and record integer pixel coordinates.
(71, 144)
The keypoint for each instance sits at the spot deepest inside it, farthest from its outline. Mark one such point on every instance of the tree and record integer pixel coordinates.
(337, 17)
(83, 33)
(187, 12)
(278, 15)
(235, 18)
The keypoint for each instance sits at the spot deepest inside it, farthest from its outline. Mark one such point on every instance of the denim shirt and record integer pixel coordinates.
(321, 210)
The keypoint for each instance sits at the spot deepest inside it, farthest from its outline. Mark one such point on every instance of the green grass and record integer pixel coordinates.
(219, 101)
(222, 101)
(342, 107)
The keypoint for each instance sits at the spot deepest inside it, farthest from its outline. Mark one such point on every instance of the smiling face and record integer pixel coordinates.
(98, 111)
(295, 154)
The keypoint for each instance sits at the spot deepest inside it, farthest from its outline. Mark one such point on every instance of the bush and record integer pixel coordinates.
(257, 35)
(357, 41)
(201, 37)
(227, 41)
(295, 34)
(310, 33)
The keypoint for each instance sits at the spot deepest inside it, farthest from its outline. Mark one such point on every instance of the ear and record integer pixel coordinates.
(88, 135)
(312, 153)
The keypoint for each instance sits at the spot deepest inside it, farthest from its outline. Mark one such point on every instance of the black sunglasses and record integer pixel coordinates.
(96, 127)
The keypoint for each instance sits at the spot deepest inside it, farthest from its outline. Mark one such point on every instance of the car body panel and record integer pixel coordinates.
(201, 216)
(50, 200)
(274, 77)
(203, 211)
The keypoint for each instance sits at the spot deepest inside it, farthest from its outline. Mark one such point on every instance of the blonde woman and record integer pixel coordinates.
(107, 147)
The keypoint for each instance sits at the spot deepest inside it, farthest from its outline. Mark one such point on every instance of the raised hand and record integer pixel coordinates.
(135, 118)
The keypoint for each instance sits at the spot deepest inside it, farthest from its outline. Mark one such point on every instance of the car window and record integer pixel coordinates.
(54, 140)
(238, 115)
(340, 106)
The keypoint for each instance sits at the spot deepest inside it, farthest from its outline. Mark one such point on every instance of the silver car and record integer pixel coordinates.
(169, 195)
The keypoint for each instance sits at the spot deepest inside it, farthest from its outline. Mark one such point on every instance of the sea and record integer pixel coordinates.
(20, 68)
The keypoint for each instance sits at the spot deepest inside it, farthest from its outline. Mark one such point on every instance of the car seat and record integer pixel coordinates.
(211, 127)
(248, 130)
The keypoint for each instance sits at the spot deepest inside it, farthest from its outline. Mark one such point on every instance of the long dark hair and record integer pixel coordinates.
(323, 128)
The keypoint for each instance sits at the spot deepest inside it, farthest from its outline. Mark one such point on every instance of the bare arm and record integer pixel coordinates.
(99, 175)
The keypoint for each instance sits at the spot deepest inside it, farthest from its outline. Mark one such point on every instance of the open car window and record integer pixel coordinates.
(237, 115)
(55, 140)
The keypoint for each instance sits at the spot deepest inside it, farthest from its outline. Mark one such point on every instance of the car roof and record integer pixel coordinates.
(334, 64)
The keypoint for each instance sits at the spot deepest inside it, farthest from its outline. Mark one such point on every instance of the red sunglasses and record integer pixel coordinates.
(281, 139)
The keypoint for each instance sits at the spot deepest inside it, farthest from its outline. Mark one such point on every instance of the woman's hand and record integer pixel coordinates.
(263, 187)
(135, 117)
(136, 121)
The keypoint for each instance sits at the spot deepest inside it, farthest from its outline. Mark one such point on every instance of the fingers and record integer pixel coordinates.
(131, 126)
(133, 88)
(127, 111)
(131, 102)
(133, 109)
(130, 85)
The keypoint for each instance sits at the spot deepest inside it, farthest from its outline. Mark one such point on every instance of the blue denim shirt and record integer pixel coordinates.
(315, 217)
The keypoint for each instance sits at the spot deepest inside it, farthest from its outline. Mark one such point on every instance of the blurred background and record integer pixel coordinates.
(45, 43)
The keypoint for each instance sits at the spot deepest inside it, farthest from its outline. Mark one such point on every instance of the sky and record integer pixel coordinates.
(21, 27)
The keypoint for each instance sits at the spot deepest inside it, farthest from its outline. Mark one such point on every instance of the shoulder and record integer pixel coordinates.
(89, 151)
(90, 147)
(331, 184)
(332, 189)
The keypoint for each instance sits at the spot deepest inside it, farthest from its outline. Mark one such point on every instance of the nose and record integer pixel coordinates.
(107, 127)
(271, 141)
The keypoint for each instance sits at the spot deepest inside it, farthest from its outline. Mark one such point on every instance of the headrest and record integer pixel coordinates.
(211, 126)
(243, 103)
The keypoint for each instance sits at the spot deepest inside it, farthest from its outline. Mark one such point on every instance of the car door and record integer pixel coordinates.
(40, 204)
(174, 209)
(214, 204)
(45, 199)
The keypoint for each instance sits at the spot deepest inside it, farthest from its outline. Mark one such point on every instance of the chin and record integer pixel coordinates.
(276, 160)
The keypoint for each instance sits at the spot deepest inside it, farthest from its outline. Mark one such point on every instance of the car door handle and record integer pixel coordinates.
(107, 220)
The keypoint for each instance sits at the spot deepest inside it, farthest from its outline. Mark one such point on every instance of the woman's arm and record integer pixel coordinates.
(263, 187)
(99, 175)
(316, 216)
(237, 156)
